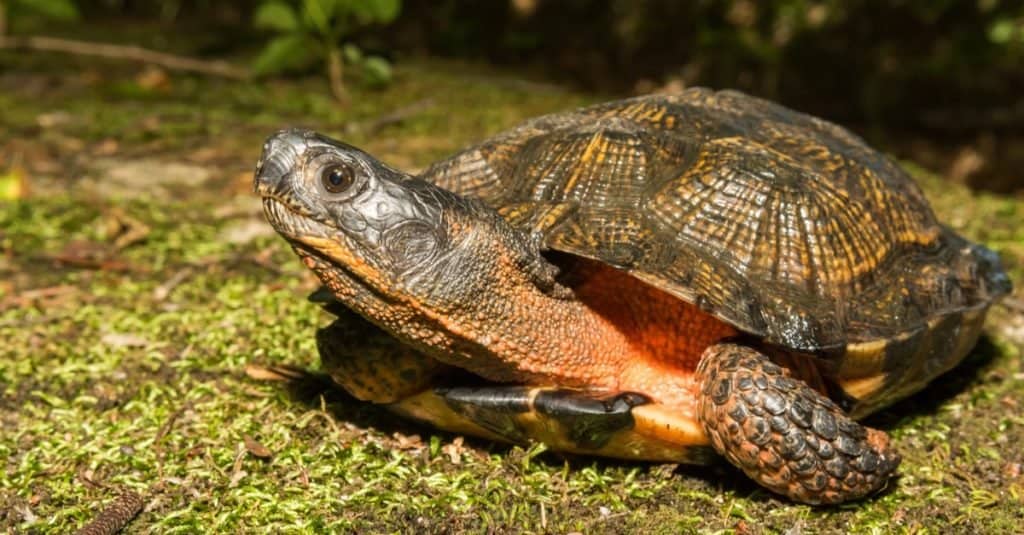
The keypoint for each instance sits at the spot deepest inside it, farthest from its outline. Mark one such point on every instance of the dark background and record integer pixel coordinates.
(937, 82)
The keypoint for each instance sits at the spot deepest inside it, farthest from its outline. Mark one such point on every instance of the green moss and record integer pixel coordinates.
(121, 382)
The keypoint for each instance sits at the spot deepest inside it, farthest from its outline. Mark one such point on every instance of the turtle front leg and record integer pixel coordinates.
(784, 434)
(370, 364)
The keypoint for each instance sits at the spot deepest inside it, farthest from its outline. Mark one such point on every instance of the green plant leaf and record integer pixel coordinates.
(318, 13)
(352, 54)
(285, 53)
(1002, 31)
(376, 71)
(374, 11)
(386, 10)
(276, 15)
(54, 9)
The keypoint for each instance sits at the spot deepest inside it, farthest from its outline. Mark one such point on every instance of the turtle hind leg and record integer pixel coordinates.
(785, 435)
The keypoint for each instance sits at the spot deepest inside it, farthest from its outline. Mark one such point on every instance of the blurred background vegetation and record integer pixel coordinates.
(937, 81)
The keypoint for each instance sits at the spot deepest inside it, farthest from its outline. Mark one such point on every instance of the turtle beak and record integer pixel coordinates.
(280, 157)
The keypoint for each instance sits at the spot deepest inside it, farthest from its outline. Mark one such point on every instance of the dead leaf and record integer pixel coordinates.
(256, 449)
(123, 229)
(107, 147)
(153, 78)
(273, 373)
(236, 472)
(408, 442)
(454, 450)
(124, 340)
(1012, 470)
(236, 478)
(966, 163)
(52, 119)
(164, 290)
(26, 514)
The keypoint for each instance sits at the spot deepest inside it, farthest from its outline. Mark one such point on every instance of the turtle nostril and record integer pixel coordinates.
(280, 155)
(270, 170)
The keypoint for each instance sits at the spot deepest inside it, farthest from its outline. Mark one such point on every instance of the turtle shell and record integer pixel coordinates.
(784, 225)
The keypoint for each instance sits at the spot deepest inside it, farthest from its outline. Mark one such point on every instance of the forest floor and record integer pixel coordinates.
(139, 280)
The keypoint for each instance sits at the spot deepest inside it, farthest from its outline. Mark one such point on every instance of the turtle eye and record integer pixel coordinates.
(337, 178)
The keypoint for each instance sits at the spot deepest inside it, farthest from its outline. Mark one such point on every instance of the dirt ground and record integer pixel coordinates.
(138, 281)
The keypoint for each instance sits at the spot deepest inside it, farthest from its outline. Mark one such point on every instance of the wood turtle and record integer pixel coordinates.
(658, 278)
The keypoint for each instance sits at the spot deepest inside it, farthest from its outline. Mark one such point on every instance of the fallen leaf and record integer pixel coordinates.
(1012, 470)
(408, 442)
(153, 78)
(256, 449)
(107, 147)
(966, 163)
(164, 290)
(236, 478)
(273, 373)
(454, 450)
(124, 340)
(52, 119)
(123, 229)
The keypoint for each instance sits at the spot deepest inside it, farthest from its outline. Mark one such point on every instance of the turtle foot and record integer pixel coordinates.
(786, 435)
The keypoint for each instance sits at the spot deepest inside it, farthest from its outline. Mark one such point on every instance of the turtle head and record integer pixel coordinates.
(370, 231)
(345, 211)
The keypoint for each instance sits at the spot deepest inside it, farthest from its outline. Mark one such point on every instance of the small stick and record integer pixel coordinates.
(115, 516)
(161, 292)
(398, 115)
(131, 53)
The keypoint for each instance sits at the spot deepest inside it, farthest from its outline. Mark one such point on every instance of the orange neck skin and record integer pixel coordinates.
(616, 334)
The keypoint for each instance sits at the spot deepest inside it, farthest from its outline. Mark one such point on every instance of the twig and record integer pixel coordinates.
(169, 424)
(164, 290)
(162, 432)
(126, 52)
(83, 262)
(281, 373)
(37, 294)
(397, 116)
(335, 65)
(115, 516)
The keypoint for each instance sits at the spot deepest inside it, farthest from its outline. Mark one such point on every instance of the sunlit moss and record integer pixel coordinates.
(109, 387)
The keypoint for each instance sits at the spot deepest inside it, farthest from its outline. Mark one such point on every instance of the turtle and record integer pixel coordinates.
(667, 278)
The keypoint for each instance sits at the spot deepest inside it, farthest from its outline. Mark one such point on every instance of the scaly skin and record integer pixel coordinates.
(785, 435)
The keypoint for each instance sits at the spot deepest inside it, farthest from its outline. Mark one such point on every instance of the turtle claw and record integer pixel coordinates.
(785, 435)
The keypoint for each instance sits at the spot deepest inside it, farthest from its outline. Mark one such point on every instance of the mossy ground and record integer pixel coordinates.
(138, 279)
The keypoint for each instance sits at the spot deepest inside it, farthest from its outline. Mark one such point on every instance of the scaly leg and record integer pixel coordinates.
(785, 435)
